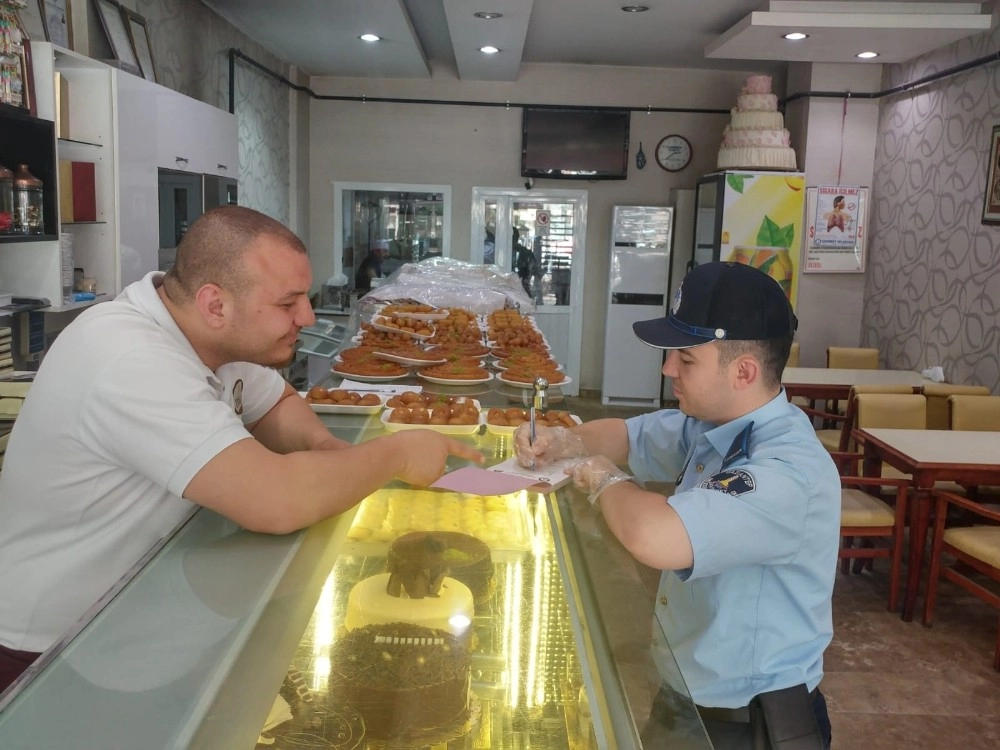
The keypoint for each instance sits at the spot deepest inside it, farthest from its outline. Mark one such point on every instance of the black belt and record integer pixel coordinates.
(739, 715)
(732, 715)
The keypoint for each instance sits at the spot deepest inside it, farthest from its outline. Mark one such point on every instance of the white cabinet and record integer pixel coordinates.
(127, 127)
(192, 136)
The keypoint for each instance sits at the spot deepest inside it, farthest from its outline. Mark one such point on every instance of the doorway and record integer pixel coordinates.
(541, 236)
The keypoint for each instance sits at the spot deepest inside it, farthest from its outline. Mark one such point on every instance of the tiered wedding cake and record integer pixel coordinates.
(756, 137)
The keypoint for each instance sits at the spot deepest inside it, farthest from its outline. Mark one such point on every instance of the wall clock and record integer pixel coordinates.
(673, 153)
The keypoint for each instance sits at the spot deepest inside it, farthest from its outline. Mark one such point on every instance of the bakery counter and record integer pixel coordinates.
(223, 638)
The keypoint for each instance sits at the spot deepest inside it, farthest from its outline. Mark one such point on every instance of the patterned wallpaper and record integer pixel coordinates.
(190, 49)
(932, 291)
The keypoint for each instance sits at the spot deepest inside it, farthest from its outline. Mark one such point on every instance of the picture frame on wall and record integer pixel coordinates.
(58, 29)
(139, 34)
(32, 21)
(113, 23)
(991, 195)
(27, 80)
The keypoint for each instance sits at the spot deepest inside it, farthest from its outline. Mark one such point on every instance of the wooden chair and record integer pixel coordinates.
(937, 401)
(793, 361)
(975, 547)
(837, 438)
(867, 518)
(980, 413)
(849, 358)
(793, 355)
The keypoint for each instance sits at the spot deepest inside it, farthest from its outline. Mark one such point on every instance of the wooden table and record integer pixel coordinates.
(826, 383)
(929, 456)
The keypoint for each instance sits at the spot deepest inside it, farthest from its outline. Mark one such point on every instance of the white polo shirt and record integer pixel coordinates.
(120, 418)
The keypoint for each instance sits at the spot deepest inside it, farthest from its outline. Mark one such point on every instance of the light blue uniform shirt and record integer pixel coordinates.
(760, 500)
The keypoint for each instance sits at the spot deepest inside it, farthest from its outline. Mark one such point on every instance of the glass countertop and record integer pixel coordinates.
(194, 649)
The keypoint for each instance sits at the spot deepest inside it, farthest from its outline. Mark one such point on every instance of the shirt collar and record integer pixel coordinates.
(732, 439)
(144, 295)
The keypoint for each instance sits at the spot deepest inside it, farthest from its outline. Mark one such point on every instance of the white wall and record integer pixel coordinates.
(834, 147)
(466, 146)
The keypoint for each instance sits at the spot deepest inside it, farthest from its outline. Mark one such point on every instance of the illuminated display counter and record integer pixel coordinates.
(221, 632)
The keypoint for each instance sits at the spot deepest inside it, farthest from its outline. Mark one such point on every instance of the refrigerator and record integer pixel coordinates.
(752, 217)
(638, 284)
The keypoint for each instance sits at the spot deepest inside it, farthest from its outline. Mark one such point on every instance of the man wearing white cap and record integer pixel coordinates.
(748, 541)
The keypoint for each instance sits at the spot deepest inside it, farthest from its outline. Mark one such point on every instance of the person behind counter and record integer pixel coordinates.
(748, 541)
(370, 268)
(164, 399)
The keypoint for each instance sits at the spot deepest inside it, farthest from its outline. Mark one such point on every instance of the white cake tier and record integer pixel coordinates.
(756, 158)
(369, 604)
(757, 103)
(736, 138)
(758, 85)
(749, 120)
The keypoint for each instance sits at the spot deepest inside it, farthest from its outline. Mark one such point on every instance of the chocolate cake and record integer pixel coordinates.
(419, 561)
(404, 679)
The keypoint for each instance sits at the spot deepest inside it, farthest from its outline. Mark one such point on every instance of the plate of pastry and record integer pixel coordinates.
(503, 421)
(459, 418)
(340, 401)
(371, 371)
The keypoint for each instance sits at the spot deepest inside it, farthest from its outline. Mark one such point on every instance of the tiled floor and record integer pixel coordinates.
(889, 684)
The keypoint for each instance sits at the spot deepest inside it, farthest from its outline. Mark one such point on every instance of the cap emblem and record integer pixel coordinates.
(677, 302)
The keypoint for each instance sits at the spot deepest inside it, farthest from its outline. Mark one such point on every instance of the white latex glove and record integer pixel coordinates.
(550, 444)
(595, 474)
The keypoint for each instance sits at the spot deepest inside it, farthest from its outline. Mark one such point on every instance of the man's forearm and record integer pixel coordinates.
(292, 426)
(605, 437)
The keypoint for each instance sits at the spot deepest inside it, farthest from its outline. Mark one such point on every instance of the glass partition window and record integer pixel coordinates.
(380, 227)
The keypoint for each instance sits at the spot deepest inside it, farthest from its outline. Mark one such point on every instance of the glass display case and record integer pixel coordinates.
(379, 227)
(221, 632)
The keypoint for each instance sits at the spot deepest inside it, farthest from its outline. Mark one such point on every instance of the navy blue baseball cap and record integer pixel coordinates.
(721, 301)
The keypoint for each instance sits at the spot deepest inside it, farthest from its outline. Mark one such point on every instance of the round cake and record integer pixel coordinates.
(461, 556)
(450, 609)
(403, 679)
(756, 137)
(757, 102)
(758, 84)
(754, 120)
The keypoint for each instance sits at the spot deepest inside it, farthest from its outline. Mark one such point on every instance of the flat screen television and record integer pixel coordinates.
(574, 144)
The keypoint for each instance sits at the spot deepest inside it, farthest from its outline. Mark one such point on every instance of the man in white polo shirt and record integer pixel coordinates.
(165, 399)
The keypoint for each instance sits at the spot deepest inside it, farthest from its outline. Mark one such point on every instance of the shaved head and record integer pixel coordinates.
(213, 251)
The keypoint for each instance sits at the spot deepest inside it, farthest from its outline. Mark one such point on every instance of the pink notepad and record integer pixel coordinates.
(508, 476)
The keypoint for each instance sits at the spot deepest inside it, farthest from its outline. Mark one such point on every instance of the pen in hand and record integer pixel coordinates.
(537, 402)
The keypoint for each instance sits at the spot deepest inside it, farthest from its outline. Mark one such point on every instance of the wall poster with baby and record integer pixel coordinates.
(836, 228)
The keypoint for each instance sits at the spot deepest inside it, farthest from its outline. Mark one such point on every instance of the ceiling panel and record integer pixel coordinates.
(321, 36)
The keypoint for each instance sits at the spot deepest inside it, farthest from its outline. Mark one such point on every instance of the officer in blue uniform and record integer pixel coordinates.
(748, 542)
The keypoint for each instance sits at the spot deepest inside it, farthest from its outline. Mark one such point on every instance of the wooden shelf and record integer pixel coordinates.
(74, 142)
(81, 223)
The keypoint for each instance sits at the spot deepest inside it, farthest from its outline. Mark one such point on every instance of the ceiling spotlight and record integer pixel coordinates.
(635, 8)
(867, 55)
(489, 50)
(487, 14)
(370, 38)
(796, 36)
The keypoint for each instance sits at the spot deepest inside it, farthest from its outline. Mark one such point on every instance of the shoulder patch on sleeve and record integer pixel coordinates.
(731, 481)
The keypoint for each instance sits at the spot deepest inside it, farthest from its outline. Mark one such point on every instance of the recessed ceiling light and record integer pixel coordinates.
(867, 55)
(796, 36)
(489, 50)
(370, 38)
(635, 8)
(487, 14)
